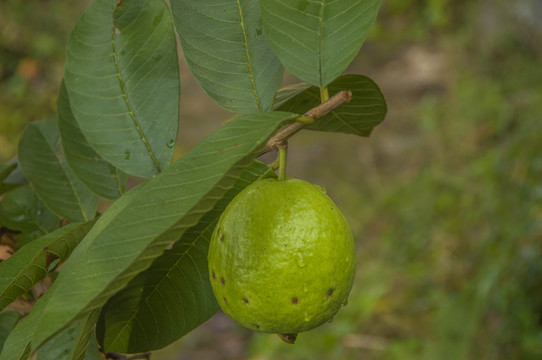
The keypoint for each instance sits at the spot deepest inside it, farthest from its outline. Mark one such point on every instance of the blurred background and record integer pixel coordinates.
(444, 199)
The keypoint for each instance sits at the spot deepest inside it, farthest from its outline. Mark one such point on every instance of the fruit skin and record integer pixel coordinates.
(282, 257)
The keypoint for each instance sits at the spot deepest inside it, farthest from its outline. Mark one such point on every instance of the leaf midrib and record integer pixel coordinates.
(320, 42)
(128, 104)
(249, 64)
(72, 188)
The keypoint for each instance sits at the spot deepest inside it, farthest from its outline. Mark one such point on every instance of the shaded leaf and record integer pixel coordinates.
(17, 345)
(5, 171)
(21, 210)
(92, 352)
(30, 263)
(366, 110)
(174, 295)
(97, 174)
(317, 40)
(42, 161)
(122, 79)
(225, 47)
(85, 346)
(72, 342)
(140, 224)
(8, 319)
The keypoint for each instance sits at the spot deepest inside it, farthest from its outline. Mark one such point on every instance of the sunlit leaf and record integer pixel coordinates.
(317, 39)
(227, 51)
(97, 174)
(122, 79)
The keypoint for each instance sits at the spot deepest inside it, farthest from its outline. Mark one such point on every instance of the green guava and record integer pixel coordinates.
(282, 257)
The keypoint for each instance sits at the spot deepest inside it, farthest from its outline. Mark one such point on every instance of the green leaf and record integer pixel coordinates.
(72, 342)
(316, 40)
(30, 264)
(122, 79)
(5, 171)
(97, 174)
(21, 210)
(174, 295)
(85, 346)
(8, 319)
(92, 352)
(58, 348)
(225, 47)
(143, 222)
(17, 345)
(366, 110)
(42, 160)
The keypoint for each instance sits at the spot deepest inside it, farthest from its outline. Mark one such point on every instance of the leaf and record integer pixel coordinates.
(85, 346)
(21, 210)
(92, 352)
(225, 47)
(17, 345)
(316, 40)
(97, 174)
(42, 161)
(174, 295)
(5, 171)
(29, 265)
(58, 348)
(366, 110)
(8, 319)
(72, 342)
(140, 224)
(122, 79)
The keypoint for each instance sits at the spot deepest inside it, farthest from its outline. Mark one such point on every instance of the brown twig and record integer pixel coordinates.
(315, 113)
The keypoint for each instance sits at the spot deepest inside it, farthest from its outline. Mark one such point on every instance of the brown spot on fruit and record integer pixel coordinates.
(330, 292)
(213, 275)
(294, 301)
(222, 238)
(245, 300)
(223, 281)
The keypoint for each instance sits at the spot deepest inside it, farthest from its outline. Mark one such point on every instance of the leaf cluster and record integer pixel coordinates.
(135, 278)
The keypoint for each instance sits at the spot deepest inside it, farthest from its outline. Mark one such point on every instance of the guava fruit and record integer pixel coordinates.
(281, 257)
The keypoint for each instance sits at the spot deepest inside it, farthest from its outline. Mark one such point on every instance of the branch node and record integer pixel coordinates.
(313, 114)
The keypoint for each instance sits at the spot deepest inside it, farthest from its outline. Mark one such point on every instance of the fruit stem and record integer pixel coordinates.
(283, 154)
(274, 165)
(324, 94)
